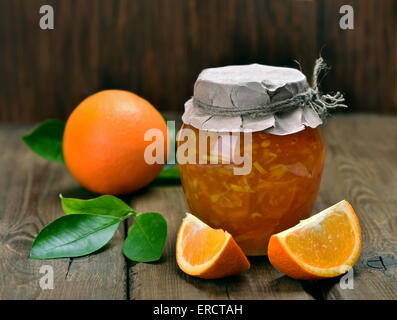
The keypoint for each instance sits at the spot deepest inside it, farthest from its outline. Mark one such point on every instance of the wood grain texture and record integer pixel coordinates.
(360, 167)
(157, 49)
(29, 189)
(363, 60)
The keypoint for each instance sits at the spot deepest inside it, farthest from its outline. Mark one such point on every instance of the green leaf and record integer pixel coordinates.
(146, 238)
(169, 172)
(104, 205)
(46, 140)
(74, 235)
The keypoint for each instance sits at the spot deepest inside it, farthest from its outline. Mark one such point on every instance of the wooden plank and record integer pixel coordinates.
(29, 189)
(154, 48)
(363, 57)
(361, 167)
(157, 49)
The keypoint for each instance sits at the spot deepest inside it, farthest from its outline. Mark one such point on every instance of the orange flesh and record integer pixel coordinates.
(204, 243)
(279, 191)
(335, 247)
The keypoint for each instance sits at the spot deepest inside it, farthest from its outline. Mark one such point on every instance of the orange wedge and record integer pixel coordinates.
(325, 245)
(208, 253)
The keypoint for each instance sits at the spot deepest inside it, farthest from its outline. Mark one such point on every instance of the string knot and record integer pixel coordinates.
(320, 103)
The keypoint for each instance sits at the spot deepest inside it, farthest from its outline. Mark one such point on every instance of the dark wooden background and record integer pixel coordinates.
(157, 48)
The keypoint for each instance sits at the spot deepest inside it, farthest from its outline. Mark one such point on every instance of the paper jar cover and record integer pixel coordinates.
(237, 97)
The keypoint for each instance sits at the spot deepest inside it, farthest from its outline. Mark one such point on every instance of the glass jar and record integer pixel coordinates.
(278, 192)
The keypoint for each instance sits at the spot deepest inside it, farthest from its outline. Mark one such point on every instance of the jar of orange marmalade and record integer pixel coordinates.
(251, 152)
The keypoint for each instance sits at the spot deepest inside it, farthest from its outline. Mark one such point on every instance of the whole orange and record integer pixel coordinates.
(104, 145)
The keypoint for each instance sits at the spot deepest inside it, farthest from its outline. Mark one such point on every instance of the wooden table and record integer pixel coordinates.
(361, 167)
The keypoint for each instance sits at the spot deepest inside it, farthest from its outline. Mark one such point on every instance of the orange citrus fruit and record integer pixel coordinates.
(325, 245)
(103, 142)
(208, 253)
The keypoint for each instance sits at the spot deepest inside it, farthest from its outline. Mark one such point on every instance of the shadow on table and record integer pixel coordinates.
(79, 193)
(213, 288)
(164, 182)
(262, 278)
(319, 288)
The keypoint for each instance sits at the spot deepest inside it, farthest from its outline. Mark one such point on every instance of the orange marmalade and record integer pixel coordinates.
(278, 192)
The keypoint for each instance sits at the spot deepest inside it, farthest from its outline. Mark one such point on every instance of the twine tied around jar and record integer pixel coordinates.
(312, 97)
